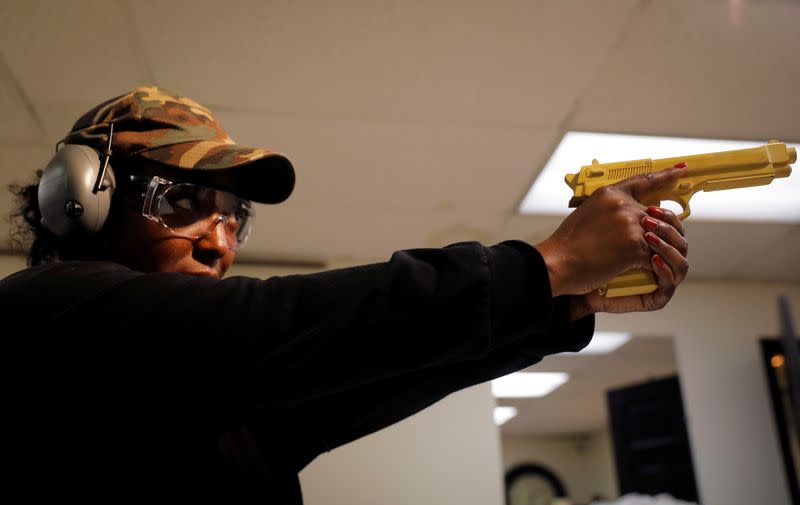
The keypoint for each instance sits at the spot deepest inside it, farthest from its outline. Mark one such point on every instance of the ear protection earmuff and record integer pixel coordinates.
(76, 188)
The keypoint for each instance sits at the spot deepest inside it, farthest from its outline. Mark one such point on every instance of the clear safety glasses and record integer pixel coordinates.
(193, 211)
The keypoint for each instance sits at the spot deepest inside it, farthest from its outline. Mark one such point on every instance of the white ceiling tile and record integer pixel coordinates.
(531, 228)
(401, 166)
(19, 121)
(697, 68)
(342, 233)
(19, 162)
(718, 250)
(506, 62)
(78, 51)
(777, 259)
(59, 118)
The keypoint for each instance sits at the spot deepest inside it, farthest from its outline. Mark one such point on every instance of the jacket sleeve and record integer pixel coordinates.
(244, 348)
(326, 334)
(339, 419)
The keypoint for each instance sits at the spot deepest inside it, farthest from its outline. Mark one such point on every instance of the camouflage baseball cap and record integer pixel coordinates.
(181, 135)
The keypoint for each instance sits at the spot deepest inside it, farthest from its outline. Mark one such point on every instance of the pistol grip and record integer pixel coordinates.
(632, 282)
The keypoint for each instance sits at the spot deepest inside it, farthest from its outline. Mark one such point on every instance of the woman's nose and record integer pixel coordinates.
(218, 235)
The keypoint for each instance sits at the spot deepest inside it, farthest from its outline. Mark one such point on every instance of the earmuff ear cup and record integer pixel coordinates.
(66, 198)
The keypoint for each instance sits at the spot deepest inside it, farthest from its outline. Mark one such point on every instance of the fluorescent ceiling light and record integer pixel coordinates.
(527, 385)
(549, 194)
(503, 414)
(604, 342)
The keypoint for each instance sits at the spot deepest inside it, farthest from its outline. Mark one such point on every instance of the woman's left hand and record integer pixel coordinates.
(664, 235)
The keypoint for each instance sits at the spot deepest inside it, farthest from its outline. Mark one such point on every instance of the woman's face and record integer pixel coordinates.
(148, 246)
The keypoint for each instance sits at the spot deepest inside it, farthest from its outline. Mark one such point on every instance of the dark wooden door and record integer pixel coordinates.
(651, 445)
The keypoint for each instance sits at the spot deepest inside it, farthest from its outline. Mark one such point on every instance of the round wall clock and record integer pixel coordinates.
(531, 484)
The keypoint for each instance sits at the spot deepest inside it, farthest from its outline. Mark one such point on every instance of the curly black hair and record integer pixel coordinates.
(41, 245)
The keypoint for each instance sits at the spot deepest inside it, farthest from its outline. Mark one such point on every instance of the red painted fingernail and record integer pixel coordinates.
(682, 164)
(652, 239)
(650, 223)
(655, 212)
(658, 261)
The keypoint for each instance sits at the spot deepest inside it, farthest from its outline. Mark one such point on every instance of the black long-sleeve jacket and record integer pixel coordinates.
(128, 387)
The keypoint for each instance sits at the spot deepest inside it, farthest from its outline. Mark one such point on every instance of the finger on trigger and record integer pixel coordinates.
(640, 185)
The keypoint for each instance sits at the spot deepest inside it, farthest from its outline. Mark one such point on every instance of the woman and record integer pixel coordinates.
(153, 379)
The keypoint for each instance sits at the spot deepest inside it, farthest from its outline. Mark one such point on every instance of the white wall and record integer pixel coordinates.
(601, 476)
(448, 454)
(716, 327)
(584, 463)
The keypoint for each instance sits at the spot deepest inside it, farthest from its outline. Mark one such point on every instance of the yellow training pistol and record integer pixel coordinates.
(740, 168)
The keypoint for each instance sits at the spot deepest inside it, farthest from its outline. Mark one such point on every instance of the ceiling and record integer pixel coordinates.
(416, 123)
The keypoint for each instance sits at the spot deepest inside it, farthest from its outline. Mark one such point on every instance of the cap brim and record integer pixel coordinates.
(255, 174)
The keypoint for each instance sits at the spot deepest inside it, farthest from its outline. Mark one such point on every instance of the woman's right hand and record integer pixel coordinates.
(605, 236)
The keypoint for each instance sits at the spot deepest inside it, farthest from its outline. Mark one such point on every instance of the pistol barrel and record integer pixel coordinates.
(786, 170)
(709, 172)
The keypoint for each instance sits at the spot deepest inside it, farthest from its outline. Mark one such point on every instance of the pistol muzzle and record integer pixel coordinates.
(786, 170)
